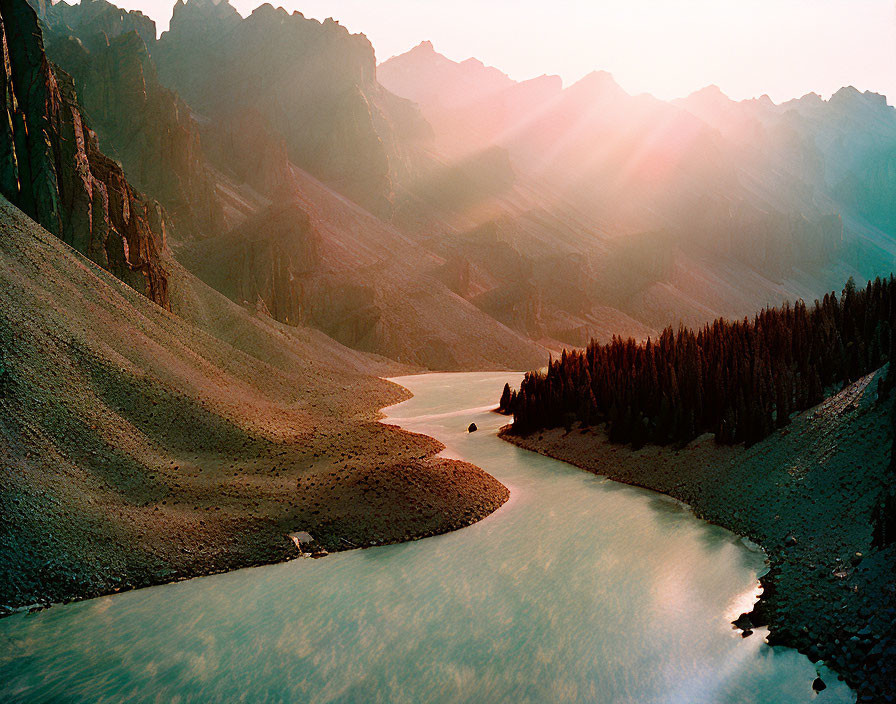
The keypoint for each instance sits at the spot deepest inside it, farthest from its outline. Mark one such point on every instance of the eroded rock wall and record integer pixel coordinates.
(52, 168)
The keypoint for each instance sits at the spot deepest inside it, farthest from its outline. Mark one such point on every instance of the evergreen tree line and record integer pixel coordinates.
(737, 379)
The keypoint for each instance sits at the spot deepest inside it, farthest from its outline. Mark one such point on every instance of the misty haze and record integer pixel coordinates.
(470, 352)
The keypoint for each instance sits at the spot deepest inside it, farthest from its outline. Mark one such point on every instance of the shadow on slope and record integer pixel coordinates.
(138, 447)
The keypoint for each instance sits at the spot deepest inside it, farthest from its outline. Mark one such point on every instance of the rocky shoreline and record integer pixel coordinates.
(261, 542)
(805, 495)
(283, 551)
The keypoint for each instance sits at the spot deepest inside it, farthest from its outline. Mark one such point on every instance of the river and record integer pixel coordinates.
(578, 589)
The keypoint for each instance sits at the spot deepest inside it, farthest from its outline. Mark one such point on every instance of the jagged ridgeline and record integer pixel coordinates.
(739, 380)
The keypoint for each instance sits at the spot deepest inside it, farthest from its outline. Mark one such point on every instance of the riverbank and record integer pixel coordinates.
(805, 495)
(140, 446)
(353, 484)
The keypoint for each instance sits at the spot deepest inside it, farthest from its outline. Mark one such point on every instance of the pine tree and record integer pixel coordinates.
(505, 405)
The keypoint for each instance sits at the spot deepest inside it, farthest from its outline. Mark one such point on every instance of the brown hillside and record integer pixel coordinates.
(138, 446)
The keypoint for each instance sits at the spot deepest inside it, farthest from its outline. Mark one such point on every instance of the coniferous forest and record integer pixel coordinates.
(737, 379)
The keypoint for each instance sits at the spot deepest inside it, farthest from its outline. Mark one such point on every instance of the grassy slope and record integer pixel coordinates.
(816, 480)
(138, 446)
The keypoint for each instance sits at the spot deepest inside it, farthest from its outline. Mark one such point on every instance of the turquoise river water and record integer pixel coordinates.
(579, 589)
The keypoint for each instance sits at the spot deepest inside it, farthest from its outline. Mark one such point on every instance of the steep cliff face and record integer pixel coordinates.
(245, 148)
(268, 262)
(146, 127)
(314, 83)
(51, 166)
(278, 263)
(872, 191)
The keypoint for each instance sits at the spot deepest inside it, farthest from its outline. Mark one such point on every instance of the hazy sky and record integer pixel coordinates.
(667, 47)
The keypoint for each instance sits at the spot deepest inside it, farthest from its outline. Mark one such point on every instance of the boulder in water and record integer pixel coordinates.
(743, 622)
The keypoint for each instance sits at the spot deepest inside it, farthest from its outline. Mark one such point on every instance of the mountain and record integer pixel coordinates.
(239, 204)
(143, 125)
(318, 258)
(52, 168)
(470, 105)
(92, 18)
(839, 147)
(222, 171)
(314, 84)
(425, 76)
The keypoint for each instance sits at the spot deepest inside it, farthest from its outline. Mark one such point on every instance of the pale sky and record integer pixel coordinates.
(785, 48)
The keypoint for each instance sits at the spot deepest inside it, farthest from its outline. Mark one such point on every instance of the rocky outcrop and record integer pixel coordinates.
(267, 262)
(244, 147)
(275, 262)
(314, 84)
(148, 128)
(52, 168)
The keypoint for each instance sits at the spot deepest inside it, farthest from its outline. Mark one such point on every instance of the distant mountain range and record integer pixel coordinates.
(443, 214)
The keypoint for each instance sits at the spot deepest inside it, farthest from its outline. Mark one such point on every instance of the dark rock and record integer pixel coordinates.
(243, 144)
(743, 622)
(271, 258)
(96, 17)
(790, 540)
(818, 685)
(472, 428)
(139, 122)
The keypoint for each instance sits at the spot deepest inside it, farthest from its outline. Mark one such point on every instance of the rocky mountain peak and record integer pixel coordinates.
(599, 84)
(202, 16)
(424, 47)
(850, 95)
(314, 84)
(144, 126)
(710, 97)
(94, 17)
(711, 92)
(428, 77)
